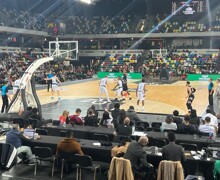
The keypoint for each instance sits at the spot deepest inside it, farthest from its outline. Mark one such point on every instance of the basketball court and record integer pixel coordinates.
(160, 97)
(163, 98)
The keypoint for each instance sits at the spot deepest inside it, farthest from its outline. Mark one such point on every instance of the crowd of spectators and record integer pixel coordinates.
(181, 64)
(112, 24)
(15, 64)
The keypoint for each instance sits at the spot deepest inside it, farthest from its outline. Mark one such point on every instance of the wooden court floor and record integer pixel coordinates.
(163, 98)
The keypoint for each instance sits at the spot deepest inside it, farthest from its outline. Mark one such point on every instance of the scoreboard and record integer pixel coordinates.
(56, 28)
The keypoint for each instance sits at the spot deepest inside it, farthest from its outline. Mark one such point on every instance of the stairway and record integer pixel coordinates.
(141, 60)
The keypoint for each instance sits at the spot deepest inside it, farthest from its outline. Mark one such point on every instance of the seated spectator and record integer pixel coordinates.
(124, 129)
(194, 119)
(115, 113)
(186, 127)
(14, 137)
(106, 120)
(172, 151)
(26, 114)
(64, 118)
(35, 114)
(177, 119)
(91, 119)
(137, 156)
(168, 124)
(96, 113)
(69, 144)
(214, 120)
(207, 127)
(76, 119)
(133, 116)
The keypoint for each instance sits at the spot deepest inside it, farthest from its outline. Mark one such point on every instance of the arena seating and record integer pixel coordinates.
(113, 62)
(110, 24)
(183, 63)
(16, 63)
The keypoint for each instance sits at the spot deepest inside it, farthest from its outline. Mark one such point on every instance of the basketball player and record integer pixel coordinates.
(190, 97)
(119, 89)
(140, 93)
(55, 87)
(16, 84)
(102, 85)
(125, 85)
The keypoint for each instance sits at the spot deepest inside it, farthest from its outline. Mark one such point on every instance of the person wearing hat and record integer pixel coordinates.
(168, 124)
(5, 97)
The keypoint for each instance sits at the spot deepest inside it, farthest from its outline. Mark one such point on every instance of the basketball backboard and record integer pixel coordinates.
(64, 49)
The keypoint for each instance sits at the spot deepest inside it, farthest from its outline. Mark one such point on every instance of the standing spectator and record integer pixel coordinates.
(172, 151)
(14, 137)
(133, 116)
(211, 92)
(76, 119)
(5, 97)
(216, 99)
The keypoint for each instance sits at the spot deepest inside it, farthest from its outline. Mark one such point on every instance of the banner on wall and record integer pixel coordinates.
(202, 77)
(116, 74)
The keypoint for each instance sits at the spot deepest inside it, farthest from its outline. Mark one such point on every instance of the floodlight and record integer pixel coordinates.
(86, 1)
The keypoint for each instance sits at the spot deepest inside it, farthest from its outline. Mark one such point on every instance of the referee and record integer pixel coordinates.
(49, 81)
(5, 97)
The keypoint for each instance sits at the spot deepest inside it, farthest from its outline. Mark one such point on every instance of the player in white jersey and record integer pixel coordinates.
(55, 87)
(118, 89)
(102, 85)
(140, 93)
(16, 85)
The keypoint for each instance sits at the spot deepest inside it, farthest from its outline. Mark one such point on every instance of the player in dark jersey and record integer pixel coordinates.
(125, 85)
(190, 96)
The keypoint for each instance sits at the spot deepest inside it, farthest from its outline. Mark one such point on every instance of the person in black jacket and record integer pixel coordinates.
(133, 116)
(124, 129)
(91, 119)
(138, 157)
(95, 112)
(35, 115)
(177, 119)
(194, 119)
(186, 127)
(115, 113)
